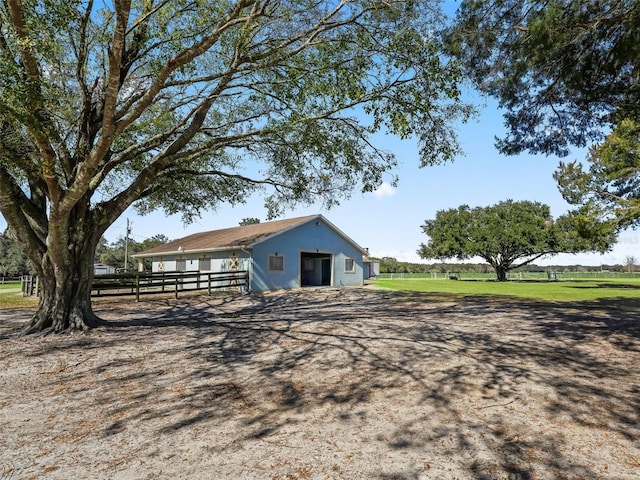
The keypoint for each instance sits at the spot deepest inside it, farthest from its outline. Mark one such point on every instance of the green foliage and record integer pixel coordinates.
(389, 265)
(564, 70)
(607, 194)
(507, 235)
(186, 106)
(113, 254)
(158, 239)
(13, 262)
(249, 221)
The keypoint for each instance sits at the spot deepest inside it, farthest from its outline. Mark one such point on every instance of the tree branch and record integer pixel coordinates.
(34, 100)
(22, 217)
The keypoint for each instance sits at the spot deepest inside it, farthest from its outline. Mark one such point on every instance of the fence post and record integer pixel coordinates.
(137, 288)
(209, 284)
(28, 285)
(176, 288)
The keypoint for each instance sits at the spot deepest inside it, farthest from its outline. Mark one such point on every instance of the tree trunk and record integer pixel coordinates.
(501, 273)
(65, 295)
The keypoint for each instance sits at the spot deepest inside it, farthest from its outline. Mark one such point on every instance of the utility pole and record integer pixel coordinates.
(126, 245)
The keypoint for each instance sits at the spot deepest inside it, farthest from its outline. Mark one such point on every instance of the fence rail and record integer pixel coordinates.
(6, 279)
(547, 275)
(141, 283)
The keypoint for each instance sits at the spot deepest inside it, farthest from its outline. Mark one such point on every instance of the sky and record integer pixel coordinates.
(388, 221)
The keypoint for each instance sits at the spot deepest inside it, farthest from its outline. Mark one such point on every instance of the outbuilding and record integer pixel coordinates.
(282, 254)
(103, 269)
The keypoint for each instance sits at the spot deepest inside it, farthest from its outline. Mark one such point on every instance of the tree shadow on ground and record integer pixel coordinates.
(494, 388)
(614, 286)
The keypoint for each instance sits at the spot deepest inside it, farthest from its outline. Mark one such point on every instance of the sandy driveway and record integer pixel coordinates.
(314, 384)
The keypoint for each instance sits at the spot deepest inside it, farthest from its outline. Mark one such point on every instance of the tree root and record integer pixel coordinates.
(47, 321)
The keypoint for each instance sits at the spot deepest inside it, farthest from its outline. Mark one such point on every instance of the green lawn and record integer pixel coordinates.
(11, 296)
(10, 286)
(614, 291)
(563, 291)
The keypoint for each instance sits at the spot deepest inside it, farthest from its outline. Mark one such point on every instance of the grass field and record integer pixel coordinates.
(614, 290)
(624, 290)
(542, 276)
(11, 296)
(10, 286)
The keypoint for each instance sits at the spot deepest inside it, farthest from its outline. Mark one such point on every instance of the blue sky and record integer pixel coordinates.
(388, 221)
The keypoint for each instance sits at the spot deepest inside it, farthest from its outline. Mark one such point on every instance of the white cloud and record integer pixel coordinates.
(384, 190)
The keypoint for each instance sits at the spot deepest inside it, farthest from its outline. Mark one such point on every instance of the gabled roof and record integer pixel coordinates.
(234, 238)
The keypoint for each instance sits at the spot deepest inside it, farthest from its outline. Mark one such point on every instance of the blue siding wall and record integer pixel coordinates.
(310, 238)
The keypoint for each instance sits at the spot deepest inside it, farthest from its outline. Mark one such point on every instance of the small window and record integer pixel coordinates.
(205, 265)
(181, 265)
(349, 265)
(276, 263)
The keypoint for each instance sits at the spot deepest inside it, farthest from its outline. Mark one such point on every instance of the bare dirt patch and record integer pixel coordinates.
(325, 383)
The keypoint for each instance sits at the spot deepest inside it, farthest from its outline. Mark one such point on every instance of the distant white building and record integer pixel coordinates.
(102, 269)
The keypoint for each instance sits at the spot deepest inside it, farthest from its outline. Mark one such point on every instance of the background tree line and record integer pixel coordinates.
(14, 263)
(392, 265)
(113, 253)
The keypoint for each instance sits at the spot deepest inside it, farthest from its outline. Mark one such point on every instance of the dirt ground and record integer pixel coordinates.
(325, 384)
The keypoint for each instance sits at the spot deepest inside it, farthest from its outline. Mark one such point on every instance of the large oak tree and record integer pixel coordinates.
(186, 105)
(507, 235)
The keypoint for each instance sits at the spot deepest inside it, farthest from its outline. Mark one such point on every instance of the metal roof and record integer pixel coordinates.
(235, 237)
